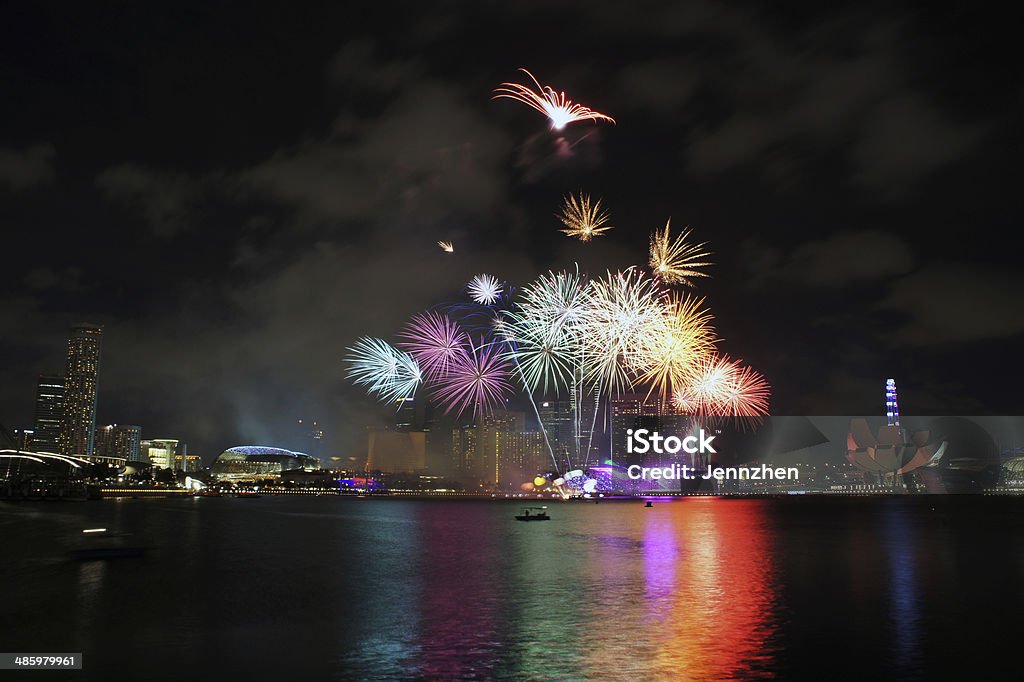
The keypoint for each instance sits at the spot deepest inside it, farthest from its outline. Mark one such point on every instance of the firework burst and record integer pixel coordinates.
(677, 261)
(447, 247)
(477, 382)
(673, 354)
(583, 219)
(724, 388)
(625, 310)
(544, 330)
(385, 371)
(484, 289)
(559, 110)
(435, 341)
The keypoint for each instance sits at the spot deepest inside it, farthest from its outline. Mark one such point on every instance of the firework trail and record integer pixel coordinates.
(484, 289)
(436, 342)
(385, 371)
(447, 247)
(583, 219)
(677, 261)
(559, 110)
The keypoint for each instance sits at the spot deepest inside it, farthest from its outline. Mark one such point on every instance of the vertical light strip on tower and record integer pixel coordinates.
(892, 410)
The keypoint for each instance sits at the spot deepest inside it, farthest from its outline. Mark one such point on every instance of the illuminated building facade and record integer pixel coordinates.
(495, 445)
(49, 414)
(159, 452)
(557, 418)
(78, 434)
(121, 441)
(190, 464)
(464, 449)
(257, 462)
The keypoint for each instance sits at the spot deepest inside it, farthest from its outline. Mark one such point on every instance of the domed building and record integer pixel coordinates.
(252, 462)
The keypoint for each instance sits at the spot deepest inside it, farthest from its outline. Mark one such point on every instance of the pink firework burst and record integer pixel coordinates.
(478, 381)
(559, 110)
(436, 341)
(724, 388)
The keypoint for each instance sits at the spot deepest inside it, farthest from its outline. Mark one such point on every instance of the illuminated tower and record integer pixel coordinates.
(78, 434)
(49, 414)
(892, 410)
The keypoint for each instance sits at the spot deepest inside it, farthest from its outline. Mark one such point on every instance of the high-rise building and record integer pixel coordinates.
(495, 443)
(573, 425)
(636, 411)
(79, 428)
(464, 449)
(49, 414)
(118, 440)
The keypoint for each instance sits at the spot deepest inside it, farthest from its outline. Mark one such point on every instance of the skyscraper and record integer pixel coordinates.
(80, 379)
(49, 414)
(120, 441)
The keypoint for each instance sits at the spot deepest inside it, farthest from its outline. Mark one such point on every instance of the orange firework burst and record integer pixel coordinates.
(584, 220)
(559, 110)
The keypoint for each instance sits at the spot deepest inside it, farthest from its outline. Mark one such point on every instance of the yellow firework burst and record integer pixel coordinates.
(674, 353)
(677, 261)
(584, 219)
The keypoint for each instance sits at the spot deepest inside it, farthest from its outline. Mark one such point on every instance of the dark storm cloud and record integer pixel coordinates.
(364, 204)
(776, 99)
(31, 167)
(166, 200)
(903, 138)
(841, 260)
(362, 65)
(46, 278)
(429, 153)
(954, 302)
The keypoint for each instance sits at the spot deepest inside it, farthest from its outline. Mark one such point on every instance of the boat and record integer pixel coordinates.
(539, 514)
(102, 544)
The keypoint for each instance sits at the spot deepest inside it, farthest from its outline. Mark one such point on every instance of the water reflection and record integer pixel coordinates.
(690, 589)
(709, 594)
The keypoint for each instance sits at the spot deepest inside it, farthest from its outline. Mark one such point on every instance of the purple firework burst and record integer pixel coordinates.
(477, 382)
(436, 341)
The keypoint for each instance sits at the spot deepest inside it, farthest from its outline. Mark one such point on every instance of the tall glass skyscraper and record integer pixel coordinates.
(49, 414)
(79, 431)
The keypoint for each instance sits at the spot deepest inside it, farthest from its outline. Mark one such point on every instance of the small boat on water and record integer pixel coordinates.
(99, 543)
(539, 514)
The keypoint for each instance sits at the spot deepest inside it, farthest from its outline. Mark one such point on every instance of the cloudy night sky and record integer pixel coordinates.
(238, 192)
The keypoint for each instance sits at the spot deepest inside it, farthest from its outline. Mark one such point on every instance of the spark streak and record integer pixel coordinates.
(584, 220)
(559, 110)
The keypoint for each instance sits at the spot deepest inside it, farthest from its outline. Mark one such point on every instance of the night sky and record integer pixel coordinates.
(237, 193)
